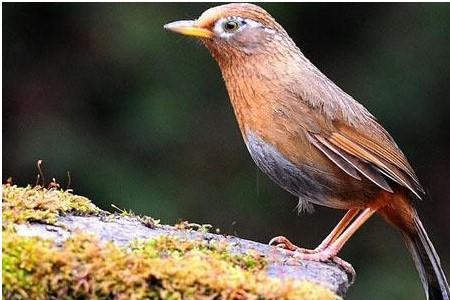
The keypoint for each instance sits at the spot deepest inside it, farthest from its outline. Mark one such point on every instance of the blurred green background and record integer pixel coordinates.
(140, 117)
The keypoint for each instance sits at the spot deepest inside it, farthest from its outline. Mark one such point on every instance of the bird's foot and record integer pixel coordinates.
(325, 255)
(321, 254)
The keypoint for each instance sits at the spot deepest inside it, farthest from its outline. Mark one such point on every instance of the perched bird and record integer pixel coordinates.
(311, 137)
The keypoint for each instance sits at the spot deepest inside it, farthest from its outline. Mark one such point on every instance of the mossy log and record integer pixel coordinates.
(59, 245)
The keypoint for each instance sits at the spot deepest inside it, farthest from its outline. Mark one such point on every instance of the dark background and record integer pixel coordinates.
(141, 119)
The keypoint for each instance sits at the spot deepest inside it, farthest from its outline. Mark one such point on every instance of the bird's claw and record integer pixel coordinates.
(318, 254)
(328, 255)
(283, 243)
(347, 267)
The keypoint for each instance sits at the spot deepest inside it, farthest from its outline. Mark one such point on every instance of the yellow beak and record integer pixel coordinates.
(189, 28)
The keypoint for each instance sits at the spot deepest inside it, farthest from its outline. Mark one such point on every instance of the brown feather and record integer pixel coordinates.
(369, 171)
(389, 164)
(335, 156)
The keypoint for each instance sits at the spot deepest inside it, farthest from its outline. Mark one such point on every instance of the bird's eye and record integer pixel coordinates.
(230, 26)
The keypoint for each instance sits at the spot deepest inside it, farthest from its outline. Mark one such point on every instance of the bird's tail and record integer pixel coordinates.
(427, 262)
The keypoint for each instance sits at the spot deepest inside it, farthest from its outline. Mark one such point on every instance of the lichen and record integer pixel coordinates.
(28, 204)
(83, 267)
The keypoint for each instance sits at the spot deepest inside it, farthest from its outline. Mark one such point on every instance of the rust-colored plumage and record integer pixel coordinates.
(310, 137)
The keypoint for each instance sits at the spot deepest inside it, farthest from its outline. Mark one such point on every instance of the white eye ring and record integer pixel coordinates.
(236, 24)
(231, 25)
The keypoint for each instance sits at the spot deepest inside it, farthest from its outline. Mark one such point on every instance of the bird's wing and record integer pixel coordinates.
(373, 155)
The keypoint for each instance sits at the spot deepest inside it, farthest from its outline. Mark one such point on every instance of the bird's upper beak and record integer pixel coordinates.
(189, 28)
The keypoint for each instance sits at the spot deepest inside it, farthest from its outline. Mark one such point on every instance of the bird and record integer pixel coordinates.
(311, 138)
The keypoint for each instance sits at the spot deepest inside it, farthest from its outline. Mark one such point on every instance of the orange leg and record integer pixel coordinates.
(332, 249)
(335, 246)
(340, 227)
(282, 242)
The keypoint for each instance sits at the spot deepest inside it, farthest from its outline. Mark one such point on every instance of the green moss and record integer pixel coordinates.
(173, 247)
(146, 220)
(205, 228)
(167, 268)
(40, 204)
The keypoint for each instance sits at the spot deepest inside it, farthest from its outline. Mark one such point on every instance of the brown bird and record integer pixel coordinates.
(311, 137)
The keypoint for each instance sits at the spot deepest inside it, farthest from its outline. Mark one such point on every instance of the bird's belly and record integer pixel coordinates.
(308, 183)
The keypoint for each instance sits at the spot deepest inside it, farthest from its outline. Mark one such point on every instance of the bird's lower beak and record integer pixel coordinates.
(188, 28)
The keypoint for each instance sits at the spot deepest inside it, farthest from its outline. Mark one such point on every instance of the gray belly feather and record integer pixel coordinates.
(305, 182)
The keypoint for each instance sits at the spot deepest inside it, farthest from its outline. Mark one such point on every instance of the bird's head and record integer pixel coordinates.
(234, 30)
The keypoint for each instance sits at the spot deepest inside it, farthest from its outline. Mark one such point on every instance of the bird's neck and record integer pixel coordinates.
(258, 87)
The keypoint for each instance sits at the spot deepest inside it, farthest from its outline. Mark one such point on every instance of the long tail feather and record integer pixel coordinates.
(427, 262)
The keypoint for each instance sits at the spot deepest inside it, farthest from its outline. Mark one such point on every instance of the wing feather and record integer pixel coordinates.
(336, 157)
(364, 168)
(375, 158)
